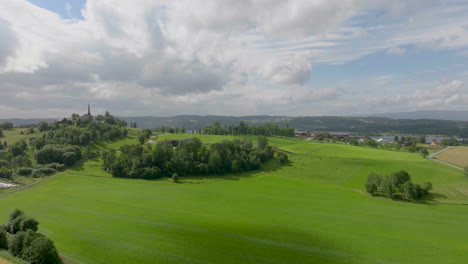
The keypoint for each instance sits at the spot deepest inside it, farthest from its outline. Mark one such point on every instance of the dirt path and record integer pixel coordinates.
(435, 154)
(4, 261)
(153, 142)
(431, 157)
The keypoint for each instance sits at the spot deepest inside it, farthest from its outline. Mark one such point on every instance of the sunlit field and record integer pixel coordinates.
(313, 210)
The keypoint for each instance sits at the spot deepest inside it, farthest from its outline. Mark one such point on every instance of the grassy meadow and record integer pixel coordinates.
(14, 135)
(313, 210)
(455, 155)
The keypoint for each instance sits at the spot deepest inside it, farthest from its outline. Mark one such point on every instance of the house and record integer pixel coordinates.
(434, 142)
(339, 135)
(62, 120)
(301, 133)
(362, 139)
(407, 144)
(175, 143)
(381, 141)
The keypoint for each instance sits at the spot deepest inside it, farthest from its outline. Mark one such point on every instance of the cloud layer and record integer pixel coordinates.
(211, 57)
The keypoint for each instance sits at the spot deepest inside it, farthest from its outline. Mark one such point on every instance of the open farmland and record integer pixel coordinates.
(455, 155)
(313, 210)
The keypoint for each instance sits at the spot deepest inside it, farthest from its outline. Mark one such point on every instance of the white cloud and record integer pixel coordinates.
(396, 51)
(451, 94)
(206, 56)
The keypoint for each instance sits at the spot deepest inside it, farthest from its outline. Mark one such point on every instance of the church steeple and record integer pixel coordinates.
(89, 110)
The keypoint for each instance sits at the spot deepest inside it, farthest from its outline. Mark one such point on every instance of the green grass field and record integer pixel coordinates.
(313, 210)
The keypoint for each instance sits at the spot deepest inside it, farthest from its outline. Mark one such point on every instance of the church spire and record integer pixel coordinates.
(89, 111)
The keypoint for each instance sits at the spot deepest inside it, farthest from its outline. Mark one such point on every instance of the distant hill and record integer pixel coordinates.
(28, 121)
(195, 122)
(363, 125)
(426, 114)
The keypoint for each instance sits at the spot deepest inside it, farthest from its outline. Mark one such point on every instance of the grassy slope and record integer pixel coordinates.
(455, 155)
(6, 258)
(308, 212)
(14, 135)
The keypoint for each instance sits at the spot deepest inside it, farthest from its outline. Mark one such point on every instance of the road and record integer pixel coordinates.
(431, 157)
(151, 138)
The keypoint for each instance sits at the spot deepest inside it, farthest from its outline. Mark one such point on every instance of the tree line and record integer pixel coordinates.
(268, 129)
(20, 237)
(190, 157)
(397, 185)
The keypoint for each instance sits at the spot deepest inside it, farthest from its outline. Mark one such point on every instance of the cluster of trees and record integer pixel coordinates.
(6, 126)
(13, 157)
(144, 135)
(397, 185)
(449, 142)
(370, 143)
(49, 159)
(171, 130)
(190, 157)
(64, 154)
(21, 239)
(268, 129)
(93, 132)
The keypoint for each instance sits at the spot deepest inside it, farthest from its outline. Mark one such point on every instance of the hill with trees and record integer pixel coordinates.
(52, 147)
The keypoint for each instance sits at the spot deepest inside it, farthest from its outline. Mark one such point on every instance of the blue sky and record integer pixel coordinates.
(298, 57)
(70, 9)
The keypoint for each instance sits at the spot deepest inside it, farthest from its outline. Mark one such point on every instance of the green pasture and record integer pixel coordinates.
(313, 210)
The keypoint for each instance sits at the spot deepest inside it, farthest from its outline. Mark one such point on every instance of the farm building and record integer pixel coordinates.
(362, 139)
(176, 143)
(381, 141)
(339, 135)
(301, 133)
(62, 121)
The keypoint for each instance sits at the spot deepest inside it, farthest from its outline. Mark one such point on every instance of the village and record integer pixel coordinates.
(403, 140)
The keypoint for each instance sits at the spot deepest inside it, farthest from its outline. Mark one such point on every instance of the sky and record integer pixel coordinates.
(232, 57)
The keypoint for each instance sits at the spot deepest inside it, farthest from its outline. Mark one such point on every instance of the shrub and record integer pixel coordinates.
(15, 244)
(175, 177)
(56, 166)
(4, 163)
(24, 171)
(5, 173)
(29, 223)
(41, 251)
(21, 161)
(43, 171)
(283, 158)
(397, 185)
(3, 239)
(426, 187)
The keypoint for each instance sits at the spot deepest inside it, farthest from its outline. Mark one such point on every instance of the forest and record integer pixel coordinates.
(190, 157)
